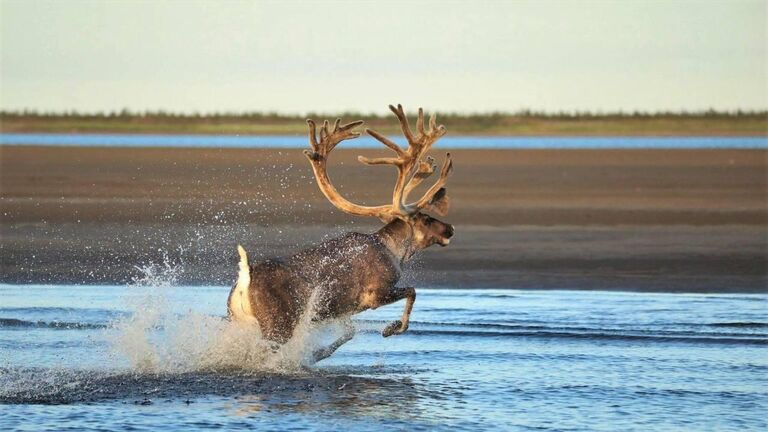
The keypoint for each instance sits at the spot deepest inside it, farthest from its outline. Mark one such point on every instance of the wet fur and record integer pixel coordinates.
(353, 273)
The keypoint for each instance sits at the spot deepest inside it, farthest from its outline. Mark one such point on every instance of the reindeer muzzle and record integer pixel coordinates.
(445, 240)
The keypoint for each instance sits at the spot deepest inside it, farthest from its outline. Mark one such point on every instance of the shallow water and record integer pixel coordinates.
(448, 142)
(90, 357)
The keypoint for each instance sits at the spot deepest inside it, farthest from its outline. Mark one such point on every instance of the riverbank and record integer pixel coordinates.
(649, 220)
(495, 124)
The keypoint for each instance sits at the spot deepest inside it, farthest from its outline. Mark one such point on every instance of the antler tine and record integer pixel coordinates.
(379, 161)
(400, 113)
(312, 135)
(386, 141)
(444, 173)
(351, 125)
(420, 122)
(324, 131)
(425, 169)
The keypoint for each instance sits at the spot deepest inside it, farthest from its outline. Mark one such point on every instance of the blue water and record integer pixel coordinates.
(472, 359)
(448, 142)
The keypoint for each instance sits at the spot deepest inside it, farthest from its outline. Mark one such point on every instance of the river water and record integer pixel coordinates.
(448, 142)
(153, 353)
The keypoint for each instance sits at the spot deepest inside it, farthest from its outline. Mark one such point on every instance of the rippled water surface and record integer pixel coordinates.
(146, 357)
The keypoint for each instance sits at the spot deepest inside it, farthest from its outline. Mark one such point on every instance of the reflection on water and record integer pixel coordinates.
(471, 360)
(345, 396)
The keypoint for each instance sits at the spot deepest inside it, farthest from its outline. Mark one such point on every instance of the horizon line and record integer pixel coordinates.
(524, 112)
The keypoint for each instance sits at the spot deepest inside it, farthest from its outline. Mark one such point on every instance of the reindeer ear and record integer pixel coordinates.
(439, 203)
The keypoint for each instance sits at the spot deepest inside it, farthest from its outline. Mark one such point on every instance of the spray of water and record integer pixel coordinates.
(155, 338)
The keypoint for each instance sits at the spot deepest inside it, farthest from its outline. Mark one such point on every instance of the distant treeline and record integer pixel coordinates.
(523, 122)
(275, 116)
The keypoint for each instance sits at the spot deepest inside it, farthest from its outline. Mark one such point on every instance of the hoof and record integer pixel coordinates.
(394, 328)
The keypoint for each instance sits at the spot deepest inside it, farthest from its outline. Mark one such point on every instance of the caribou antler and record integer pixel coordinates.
(319, 156)
(425, 169)
(412, 170)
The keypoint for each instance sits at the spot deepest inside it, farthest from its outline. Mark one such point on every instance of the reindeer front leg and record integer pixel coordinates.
(395, 294)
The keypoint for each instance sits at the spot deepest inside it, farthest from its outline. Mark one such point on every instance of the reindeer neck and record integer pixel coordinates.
(397, 236)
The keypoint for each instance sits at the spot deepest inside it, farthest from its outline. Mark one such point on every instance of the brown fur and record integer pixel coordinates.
(342, 276)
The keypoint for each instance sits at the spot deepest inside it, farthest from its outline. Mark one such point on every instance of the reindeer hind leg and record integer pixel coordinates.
(324, 353)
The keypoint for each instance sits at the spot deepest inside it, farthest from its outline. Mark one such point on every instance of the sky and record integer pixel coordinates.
(296, 57)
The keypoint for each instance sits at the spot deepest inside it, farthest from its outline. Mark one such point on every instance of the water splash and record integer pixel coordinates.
(156, 338)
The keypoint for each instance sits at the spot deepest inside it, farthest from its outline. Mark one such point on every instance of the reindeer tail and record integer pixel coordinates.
(238, 303)
(244, 272)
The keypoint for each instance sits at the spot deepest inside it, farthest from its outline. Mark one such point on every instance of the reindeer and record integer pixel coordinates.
(354, 272)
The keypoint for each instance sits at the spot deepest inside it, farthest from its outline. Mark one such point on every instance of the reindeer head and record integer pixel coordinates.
(412, 165)
(428, 231)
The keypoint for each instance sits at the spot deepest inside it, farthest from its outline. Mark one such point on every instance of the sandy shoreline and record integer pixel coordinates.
(658, 220)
